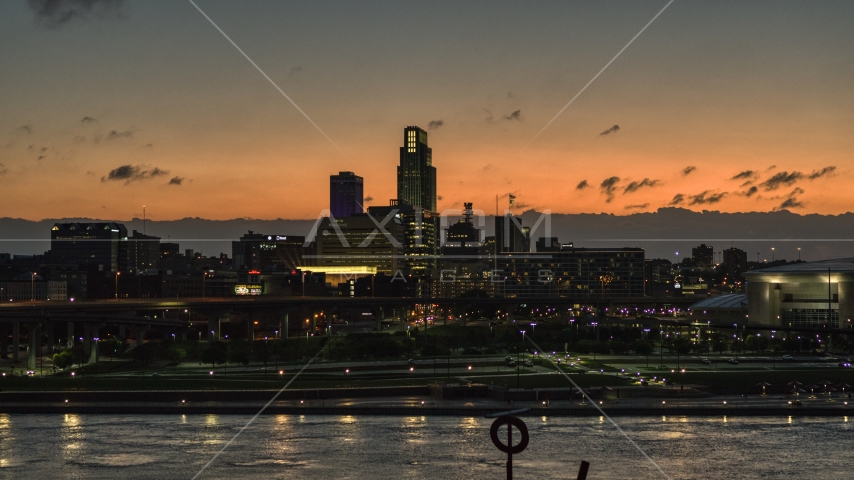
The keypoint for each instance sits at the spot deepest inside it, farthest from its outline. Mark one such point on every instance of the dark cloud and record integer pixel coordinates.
(87, 119)
(176, 180)
(790, 203)
(636, 207)
(295, 70)
(749, 182)
(148, 145)
(435, 124)
(706, 197)
(3, 170)
(678, 199)
(611, 130)
(772, 167)
(745, 175)
(752, 191)
(688, 170)
(28, 129)
(781, 179)
(41, 157)
(635, 186)
(609, 186)
(43, 149)
(582, 185)
(509, 94)
(116, 134)
(517, 115)
(369, 199)
(824, 171)
(55, 13)
(439, 197)
(486, 167)
(130, 173)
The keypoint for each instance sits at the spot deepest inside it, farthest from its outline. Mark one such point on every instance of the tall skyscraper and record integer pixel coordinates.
(345, 194)
(416, 175)
(99, 245)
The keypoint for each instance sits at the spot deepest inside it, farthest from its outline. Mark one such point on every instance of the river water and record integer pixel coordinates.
(368, 447)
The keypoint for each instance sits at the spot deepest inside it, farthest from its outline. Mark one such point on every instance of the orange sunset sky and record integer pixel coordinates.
(731, 106)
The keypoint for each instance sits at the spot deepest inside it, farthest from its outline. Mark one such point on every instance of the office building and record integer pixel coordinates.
(143, 252)
(345, 194)
(416, 175)
(510, 235)
(357, 244)
(735, 262)
(419, 235)
(703, 256)
(100, 246)
(256, 251)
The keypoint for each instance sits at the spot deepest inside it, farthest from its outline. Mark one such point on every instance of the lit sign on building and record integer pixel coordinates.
(248, 289)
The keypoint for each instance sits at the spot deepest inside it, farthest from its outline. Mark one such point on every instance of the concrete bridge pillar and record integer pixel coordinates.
(139, 330)
(87, 337)
(34, 337)
(123, 331)
(69, 339)
(283, 325)
(16, 341)
(250, 330)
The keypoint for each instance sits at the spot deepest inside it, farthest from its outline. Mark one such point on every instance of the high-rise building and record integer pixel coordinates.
(703, 256)
(356, 241)
(510, 235)
(419, 228)
(92, 245)
(735, 261)
(416, 175)
(345, 194)
(143, 252)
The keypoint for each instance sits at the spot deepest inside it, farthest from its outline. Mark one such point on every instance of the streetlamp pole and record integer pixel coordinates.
(518, 361)
(32, 287)
(117, 285)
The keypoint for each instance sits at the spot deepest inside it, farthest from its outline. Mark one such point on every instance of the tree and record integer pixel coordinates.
(719, 344)
(79, 355)
(145, 353)
(175, 354)
(62, 360)
(214, 354)
(641, 347)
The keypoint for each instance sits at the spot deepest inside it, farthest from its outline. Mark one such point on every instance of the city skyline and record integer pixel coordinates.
(724, 108)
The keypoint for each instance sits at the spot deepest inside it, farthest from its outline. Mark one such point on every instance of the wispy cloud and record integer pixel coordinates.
(790, 203)
(3, 169)
(55, 13)
(435, 124)
(688, 170)
(608, 187)
(176, 180)
(114, 134)
(752, 191)
(781, 179)
(517, 115)
(295, 70)
(636, 207)
(28, 129)
(369, 199)
(824, 171)
(88, 119)
(635, 186)
(707, 197)
(678, 199)
(611, 130)
(582, 185)
(745, 175)
(131, 173)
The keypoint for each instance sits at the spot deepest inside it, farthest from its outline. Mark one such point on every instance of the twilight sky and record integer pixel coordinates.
(726, 105)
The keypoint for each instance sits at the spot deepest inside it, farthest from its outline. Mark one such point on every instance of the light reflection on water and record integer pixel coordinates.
(282, 446)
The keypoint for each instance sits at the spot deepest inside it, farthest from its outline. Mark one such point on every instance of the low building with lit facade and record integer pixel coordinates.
(805, 294)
